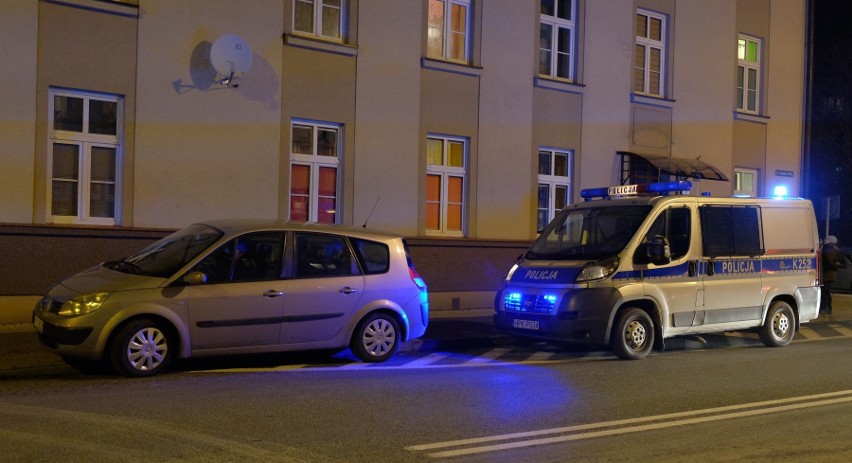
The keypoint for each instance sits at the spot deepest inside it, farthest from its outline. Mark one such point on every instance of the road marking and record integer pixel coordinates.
(427, 360)
(487, 357)
(626, 426)
(840, 329)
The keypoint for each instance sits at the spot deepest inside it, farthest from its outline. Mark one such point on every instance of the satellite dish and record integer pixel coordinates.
(230, 57)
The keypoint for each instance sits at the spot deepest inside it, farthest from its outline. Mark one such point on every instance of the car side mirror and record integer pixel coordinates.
(195, 278)
(659, 251)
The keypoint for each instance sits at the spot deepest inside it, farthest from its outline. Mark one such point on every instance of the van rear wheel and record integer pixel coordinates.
(779, 328)
(633, 337)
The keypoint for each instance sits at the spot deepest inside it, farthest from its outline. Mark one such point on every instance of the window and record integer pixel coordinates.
(84, 157)
(556, 39)
(314, 167)
(748, 74)
(447, 30)
(731, 231)
(320, 255)
(322, 18)
(554, 184)
(674, 224)
(650, 54)
(745, 182)
(374, 256)
(445, 185)
(252, 257)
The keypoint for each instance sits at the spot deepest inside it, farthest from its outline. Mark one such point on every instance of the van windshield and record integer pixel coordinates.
(588, 233)
(170, 254)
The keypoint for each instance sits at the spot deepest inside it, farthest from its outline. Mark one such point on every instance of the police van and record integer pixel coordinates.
(633, 265)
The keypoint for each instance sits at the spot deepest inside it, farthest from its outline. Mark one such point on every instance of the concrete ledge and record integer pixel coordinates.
(17, 309)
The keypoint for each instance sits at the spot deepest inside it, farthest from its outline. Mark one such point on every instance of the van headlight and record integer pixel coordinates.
(598, 270)
(82, 305)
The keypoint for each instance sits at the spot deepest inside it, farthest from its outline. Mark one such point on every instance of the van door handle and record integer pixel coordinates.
(273, 293)
(691, 268)
(348, 290)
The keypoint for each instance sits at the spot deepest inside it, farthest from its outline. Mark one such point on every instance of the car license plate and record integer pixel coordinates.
(525, 324)
(39, 324)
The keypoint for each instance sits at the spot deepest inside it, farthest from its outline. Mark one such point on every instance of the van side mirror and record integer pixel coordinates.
(659, 251)
(194, 278)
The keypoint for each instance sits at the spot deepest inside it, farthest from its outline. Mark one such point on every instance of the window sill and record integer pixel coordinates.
(748, 117)
(318, 44)
(450, 66)
(652, 100)
(557, 84)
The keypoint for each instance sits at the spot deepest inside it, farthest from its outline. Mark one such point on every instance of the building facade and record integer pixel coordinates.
(461, 124)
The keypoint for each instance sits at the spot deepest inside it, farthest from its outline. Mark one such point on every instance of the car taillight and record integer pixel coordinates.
(415, 277)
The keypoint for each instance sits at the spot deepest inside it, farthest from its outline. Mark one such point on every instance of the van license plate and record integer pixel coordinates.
(525, 324)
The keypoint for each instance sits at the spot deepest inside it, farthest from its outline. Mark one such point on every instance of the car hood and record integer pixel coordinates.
(101, 279)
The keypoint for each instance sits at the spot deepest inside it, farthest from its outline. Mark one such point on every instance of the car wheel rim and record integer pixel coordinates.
(635, 335)
(781, 325)
(379, 337)
(147, 349)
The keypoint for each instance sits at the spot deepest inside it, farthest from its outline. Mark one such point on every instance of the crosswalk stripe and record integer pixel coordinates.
(540, 355)
(487, 357)
(841, 329)
(427, 360)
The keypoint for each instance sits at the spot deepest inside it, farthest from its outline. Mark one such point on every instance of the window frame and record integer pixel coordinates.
(556, 23)
(85, 142)
(317, 29)
(447, 32)
(445, 172)
(552, 181)
(744, 65)
(647, 43)
(738, 191)
(315, 163)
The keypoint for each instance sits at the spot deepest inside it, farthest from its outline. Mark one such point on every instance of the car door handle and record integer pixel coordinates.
(273, 293)
(348, 290)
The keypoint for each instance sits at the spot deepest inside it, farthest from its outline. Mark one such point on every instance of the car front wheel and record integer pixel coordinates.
(633, 337)
(376, 338)
(141, 348)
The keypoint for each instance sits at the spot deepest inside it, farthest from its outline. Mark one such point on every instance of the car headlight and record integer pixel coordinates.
(598, 270)
(82, 305)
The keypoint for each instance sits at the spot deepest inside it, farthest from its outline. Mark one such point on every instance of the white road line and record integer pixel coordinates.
(487, 357)
(807, 333)
(540, 355)
(630, 425)
(427, 360)
(840, 329)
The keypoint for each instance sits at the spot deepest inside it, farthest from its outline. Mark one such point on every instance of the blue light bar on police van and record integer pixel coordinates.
(632, 190)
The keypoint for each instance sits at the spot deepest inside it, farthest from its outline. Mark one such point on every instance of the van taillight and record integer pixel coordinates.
(415, 277)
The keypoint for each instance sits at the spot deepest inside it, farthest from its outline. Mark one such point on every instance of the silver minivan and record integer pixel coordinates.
(229, 287)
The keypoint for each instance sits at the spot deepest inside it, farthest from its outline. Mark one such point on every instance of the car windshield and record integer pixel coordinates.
(170, 254)
(588, 233)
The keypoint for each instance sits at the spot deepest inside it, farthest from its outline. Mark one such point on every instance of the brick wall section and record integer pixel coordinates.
(36, 257)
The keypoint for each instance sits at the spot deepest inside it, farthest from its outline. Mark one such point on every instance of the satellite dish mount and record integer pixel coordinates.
(230, 57)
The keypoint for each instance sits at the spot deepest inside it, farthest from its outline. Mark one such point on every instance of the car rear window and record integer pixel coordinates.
(374, 256)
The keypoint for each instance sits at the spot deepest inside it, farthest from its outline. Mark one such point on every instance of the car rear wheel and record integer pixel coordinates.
(780, 326)
(141, 348)
(376, 338)
(633, 337)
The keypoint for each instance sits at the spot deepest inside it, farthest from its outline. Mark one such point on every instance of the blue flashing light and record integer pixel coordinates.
(629, 190)
(550, 298)
(780, 192)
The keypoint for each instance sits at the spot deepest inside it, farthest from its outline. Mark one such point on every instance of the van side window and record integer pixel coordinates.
(731, 230)
(674, 224)
(252, 257)
(319, 255)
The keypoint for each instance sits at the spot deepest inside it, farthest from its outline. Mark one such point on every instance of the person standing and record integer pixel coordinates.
(832, 260)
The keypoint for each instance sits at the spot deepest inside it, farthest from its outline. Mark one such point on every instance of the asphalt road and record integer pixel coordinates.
(461, 398)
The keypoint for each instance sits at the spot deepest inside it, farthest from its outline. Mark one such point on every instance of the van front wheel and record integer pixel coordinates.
(779, 328)
(633, 337)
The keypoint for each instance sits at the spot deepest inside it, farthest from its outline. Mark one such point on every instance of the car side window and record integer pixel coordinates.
(675, 225)
(251, 257)
(374, 256)
(320, 255)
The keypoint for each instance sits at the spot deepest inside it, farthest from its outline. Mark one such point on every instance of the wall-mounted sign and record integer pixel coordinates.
(783, 173)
